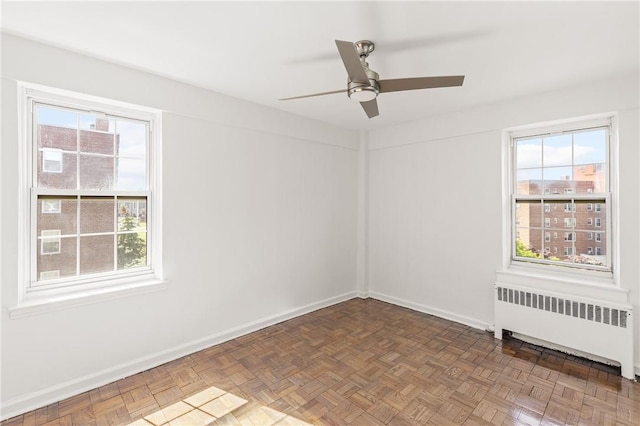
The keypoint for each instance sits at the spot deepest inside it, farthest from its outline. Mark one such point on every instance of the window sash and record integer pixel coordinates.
(38, 279)
(546, 226)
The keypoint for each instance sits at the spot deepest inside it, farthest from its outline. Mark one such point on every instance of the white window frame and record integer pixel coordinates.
(60, 293)
(588, 274)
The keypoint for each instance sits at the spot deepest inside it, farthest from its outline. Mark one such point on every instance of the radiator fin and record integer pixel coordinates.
(587, 311)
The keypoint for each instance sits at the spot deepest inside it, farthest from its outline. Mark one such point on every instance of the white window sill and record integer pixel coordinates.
(42, 303)
(593, 285)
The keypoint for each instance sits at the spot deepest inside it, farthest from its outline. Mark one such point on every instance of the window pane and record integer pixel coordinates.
(585, 250)
(56, 169)
(131, 174)
(132, 214)
(529, 153)
(132, 238)
(96, 142)
(97, 214)
(590, 147)
(557, 150)
(56, 117)
(64, 219)
(529, 243)
(132, 250)
(529, 181)
(590, 178)
(558, 179)
(96, 254)
(96, 172)
(529, 214)
(62, 264)
(132, 139)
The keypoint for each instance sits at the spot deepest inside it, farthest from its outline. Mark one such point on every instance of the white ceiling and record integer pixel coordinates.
(263, 51)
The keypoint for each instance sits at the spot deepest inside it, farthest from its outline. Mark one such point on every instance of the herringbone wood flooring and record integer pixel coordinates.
(361, 362)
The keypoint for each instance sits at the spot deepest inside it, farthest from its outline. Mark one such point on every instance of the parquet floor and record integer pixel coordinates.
(361, 362)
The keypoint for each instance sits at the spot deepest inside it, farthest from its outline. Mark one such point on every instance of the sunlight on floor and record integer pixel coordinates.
(214, 406)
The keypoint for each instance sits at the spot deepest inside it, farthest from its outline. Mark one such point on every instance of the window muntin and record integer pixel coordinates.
(557, 179)
(98, 186)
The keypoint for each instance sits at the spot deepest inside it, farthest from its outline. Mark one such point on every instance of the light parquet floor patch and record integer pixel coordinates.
(361, 362)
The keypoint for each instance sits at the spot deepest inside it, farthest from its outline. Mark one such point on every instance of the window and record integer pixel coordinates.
(90, 194)
(589, 250)
(567, 166)
(598, 237)
(51, 206)
(50, 242)
(547, 237)
(51, 160)
(598, 251)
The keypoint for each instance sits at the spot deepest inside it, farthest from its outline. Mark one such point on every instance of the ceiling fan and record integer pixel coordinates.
(363, 84)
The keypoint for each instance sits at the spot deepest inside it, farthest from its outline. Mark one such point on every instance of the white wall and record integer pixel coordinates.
(266, 215)
(260, 223)
(435, 200)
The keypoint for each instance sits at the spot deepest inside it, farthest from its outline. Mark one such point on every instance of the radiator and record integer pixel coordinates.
(599, 328)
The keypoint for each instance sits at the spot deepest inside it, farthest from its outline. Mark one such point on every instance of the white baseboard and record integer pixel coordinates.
(362, 294)
(34, 400)
(471, 322)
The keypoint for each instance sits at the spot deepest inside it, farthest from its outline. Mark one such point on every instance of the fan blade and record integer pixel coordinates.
(399, 84)
(351, 61)
(315, 94)
(370, 107)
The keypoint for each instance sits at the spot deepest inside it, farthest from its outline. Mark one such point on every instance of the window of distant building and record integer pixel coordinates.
(574, 161)
(51, 160)
(51, 206)
(91, 189)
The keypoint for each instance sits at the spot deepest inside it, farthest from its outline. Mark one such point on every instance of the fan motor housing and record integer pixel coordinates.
(363, 92)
